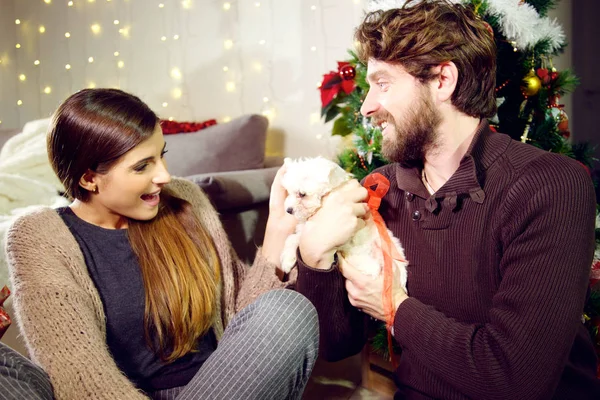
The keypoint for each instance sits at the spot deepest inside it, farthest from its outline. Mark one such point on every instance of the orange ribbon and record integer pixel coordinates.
(378, 185)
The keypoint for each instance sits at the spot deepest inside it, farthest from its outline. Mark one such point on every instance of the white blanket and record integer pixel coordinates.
(27, 180)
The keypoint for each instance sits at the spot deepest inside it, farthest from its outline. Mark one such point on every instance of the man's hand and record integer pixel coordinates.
(340, 216)
(366, 292)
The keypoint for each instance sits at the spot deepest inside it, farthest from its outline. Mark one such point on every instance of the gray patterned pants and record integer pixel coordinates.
(267, 352)
(20, 379)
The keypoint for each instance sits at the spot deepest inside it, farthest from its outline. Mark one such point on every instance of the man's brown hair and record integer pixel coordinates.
(422, 36)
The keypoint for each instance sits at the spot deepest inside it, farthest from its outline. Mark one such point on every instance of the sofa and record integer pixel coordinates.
(228, 162)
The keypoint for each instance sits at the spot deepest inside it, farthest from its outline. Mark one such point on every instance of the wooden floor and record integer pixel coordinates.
(343, 380)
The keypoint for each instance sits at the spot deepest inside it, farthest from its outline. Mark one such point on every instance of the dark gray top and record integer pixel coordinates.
(115, 271)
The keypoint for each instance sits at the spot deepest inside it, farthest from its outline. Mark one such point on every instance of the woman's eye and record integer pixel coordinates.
(140, 168)
(162, 153)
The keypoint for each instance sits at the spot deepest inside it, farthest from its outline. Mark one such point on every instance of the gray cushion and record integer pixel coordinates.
(233, 146)
(236, 189)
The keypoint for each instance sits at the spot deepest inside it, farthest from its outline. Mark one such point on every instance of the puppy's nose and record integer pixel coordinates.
(290, 210)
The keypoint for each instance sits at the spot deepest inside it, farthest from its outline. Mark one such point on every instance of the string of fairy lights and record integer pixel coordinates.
(94, 55)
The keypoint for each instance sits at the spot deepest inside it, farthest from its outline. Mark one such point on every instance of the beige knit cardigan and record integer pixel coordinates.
(59, 311)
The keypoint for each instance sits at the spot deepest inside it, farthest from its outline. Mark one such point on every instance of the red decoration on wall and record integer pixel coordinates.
(171, 127)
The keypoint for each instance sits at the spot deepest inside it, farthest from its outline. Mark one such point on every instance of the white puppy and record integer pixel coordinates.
(306, 182)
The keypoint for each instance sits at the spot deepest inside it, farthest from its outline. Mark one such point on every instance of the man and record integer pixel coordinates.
(499, 235)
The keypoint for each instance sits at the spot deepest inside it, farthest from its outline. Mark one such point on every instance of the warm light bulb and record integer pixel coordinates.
(22, 78)
(319, 136)
(124, 31)
(226, 6)
(116, 22)
(18, 21)
(47, 1)
(120, 64)
(95, 29)
(171, 118)
(67, 35)
(91, 59)
(68, 66)
(42, 29)
(19, 102)
(313, 48)
(70, 4)
(36, 62)
(175, 37)
(0, 121)
(269, 113)
(176, 73)
(177, 93)
(225, 68)
(313, 8)
(230, 86)
(186, 4)
(228, 43)
(116, 54)
(163, 38)
(91, 85)
(315, 118)
(18, 46)
(265, 99)
(161, 5)
(165, 104)
(257, 4)
(226, 119)
(47, 90)
(261, 42)
(91, 1)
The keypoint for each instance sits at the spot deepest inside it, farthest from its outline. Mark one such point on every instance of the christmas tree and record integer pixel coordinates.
(528, 93)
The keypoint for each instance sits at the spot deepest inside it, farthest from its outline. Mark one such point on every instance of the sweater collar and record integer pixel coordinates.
(469, 178)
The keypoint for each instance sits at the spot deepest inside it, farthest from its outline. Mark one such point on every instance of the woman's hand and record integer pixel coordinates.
(280, 224)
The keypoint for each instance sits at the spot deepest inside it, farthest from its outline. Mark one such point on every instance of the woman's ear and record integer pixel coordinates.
(89, 181)
(445, 83)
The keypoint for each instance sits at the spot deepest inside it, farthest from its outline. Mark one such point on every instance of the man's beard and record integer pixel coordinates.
(414, 135)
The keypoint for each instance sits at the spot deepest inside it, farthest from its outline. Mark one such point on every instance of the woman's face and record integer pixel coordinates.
(131, 188)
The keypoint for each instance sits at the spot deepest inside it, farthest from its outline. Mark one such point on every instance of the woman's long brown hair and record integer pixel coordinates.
(92, 130)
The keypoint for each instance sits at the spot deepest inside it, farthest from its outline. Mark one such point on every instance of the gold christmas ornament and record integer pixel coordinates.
(531, 84)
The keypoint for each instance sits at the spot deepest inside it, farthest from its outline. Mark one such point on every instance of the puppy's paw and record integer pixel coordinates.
(288, 254)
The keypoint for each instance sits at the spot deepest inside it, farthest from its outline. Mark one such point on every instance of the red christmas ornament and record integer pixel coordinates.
(553, 75)
(347, 72)
(544, 75)
(333, 83)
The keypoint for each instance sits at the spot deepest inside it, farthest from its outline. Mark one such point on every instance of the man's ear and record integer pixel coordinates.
(89, 181)
(444, 84)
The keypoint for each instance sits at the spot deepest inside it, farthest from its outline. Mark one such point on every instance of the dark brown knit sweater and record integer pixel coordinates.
(499, 261)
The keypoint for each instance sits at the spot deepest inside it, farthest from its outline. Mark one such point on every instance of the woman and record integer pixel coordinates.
(126, 293)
